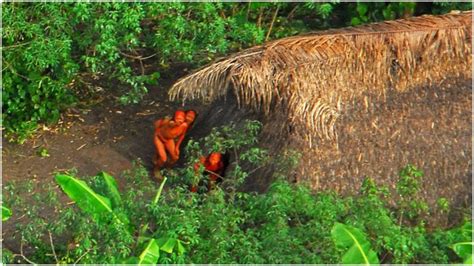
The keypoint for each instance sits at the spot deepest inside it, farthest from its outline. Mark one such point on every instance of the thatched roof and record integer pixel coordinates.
(313, 78)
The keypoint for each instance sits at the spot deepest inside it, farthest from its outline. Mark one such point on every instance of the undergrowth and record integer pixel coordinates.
(288, 224)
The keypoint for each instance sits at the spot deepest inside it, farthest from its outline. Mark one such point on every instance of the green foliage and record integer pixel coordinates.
(111, 189)
(38, 65)
(411, 204)
(48, 60)
(364, 12)
(464, 250)
(96, 204)
(443, 205)
(6, 213)
(84, 196)
(377, 11)
(150, 254)
(288, 224)
(442, 7)
(355, 242)
(232, 140)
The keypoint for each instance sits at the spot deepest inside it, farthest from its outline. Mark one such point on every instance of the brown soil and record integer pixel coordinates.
(108, 137)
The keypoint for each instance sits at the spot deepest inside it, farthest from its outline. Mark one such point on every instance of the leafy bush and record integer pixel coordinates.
(288, 224)
(360, 251)
(48, 60)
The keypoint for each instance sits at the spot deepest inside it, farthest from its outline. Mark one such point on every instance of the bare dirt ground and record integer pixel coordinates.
(107, 137)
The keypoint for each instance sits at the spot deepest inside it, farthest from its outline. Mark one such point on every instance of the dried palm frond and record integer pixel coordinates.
(314, 77)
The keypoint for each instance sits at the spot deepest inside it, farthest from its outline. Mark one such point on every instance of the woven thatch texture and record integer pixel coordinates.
(315, 77)
(429, 127)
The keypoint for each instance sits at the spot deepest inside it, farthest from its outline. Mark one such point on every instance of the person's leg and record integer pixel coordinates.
(159, 159)
(171, 149)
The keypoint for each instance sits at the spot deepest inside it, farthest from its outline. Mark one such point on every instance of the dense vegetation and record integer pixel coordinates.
(288, 224)
(49, 61)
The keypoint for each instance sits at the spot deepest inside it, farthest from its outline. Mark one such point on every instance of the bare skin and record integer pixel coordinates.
(168, 137)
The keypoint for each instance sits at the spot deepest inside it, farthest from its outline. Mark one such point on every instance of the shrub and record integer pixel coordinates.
(288, 224)
(47, 60)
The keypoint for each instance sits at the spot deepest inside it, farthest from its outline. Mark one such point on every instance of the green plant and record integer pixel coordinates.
(6, 213)
(442, 7)
(351, 238)
(443, 205)
(232, 140)
(51, 62)
(97, 205)
(289, 223)
(43, 152)
(411, 205)
(464, 249)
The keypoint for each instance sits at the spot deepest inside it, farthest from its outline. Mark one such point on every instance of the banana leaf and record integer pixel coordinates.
(112, 189)
(464, 250)
(84, 196)
(150, 254)
(181, 248)
(467, 230)
(6, 213)
(167, 244)
(358, 248)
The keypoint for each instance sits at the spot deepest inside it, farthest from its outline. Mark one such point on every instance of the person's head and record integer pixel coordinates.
(215, 158)
(179, 116)
(190, 116)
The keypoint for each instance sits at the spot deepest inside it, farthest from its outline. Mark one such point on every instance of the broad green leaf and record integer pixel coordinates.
(6, 213)
(167, 244)
(359, 249)
(131, 260)
(355, 21)
(143, 239)
(151, 254)
(112, 189)
(83, 195)
(467, 230)
(464, 250)
(362, 9)
(181, 248)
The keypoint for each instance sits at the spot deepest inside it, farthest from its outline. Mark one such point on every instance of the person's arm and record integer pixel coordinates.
(176, 130)
(180, 140)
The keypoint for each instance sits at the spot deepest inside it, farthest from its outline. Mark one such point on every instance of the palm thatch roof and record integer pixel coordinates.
(313, 78)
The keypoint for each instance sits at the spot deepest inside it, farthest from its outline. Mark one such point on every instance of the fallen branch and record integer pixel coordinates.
(82, 256)
(52, 246)
(138, 57)
(23, 255)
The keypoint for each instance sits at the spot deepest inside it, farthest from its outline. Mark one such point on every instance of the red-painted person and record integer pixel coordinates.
(214, 167)
(168, 136)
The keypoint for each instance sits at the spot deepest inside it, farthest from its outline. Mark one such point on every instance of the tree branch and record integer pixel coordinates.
(23, 255)
(15, 45)
(271, 24)
(82, 256)
(137, 57)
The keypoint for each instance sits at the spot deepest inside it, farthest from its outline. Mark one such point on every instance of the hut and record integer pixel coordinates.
(357, 101)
